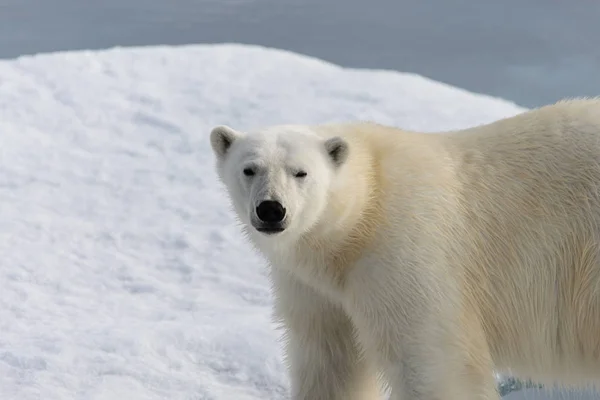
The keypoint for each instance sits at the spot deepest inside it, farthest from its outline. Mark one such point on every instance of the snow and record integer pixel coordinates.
(123, 274)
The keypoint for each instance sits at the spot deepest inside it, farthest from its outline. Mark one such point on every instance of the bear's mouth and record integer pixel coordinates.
(269, 227)
(270, 230)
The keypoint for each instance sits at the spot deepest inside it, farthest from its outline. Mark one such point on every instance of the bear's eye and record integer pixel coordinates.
(300, 174)
(248, 171)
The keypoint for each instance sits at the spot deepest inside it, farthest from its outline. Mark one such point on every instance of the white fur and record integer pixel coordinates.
(429, 258)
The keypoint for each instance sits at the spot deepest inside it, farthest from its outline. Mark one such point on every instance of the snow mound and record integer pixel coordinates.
(123, 274)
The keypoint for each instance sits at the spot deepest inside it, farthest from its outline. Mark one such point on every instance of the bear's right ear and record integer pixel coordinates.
(221, 139)
(337, 149)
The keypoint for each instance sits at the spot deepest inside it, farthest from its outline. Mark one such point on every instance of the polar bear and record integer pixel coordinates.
(424, 262)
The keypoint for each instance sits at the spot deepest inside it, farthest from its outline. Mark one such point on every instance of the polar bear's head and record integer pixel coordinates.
(278, 179)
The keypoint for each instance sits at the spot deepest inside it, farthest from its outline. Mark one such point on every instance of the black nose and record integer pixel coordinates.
(270, 211)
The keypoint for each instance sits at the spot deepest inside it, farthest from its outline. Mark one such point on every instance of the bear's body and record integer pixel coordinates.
(430, 258)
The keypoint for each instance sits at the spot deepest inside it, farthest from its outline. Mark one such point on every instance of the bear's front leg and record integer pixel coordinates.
(427, 340)
(323, 357)
(441, 369)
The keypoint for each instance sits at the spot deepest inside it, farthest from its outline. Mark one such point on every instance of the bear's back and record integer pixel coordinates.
(531, 205)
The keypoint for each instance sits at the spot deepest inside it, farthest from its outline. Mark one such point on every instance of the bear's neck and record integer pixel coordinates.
(325, 255)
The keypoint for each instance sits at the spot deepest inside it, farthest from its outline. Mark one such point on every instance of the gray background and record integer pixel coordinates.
(529, 51)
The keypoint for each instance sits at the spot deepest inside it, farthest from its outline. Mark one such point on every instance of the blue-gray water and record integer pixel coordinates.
(530, 51)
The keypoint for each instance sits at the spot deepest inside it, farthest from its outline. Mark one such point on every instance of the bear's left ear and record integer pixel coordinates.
(221, 139)
(337, 149)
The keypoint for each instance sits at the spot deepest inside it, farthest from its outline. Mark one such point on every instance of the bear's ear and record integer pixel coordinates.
(221, 139)
(337, 149)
